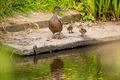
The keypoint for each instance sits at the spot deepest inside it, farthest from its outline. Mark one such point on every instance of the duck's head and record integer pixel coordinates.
(80, 25)
(57, 9)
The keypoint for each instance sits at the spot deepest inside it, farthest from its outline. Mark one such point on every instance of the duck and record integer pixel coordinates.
(55, 25)
(82, 30)
(70, 28)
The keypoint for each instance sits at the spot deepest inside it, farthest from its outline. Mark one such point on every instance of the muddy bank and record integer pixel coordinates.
(24, 41)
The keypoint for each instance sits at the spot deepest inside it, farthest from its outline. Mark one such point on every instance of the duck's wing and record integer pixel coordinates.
(60, 23)
(51, 26)
(55, 25)
(84, 30)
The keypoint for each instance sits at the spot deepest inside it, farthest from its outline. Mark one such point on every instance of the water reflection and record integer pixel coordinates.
(57, 68)
(35, 59)
(96, 62)
(5, 64)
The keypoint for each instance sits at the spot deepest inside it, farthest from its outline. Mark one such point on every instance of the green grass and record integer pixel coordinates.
(103, 9)
(89, 9)
(116, 8)
(8, 7)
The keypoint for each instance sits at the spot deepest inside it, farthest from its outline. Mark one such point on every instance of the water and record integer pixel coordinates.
(95, 62)
(56, 68)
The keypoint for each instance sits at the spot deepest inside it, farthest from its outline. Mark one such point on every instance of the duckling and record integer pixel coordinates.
(55, 24)
(82, 30)
(80, 25)
(70, 27)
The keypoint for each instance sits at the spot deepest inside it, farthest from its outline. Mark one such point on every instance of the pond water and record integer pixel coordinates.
(95, 62)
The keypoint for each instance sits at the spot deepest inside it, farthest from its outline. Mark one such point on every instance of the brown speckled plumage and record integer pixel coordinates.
(70, 28)
(82, 30)
(55, 24)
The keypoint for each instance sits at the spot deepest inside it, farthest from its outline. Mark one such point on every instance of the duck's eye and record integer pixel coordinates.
(57, 8)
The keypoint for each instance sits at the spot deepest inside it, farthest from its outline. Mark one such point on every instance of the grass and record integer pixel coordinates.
(116, 8)
(89, 9)
(12, 6)
(103, 9)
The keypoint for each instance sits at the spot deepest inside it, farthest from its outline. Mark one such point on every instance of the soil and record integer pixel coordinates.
(25, 40)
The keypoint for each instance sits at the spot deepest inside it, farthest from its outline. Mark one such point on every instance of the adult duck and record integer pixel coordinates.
(55, 24)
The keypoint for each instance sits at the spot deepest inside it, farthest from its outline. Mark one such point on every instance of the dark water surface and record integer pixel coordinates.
(95, 62)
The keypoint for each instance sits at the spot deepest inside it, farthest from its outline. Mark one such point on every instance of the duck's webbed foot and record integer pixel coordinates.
(58, 36)
(70, 32)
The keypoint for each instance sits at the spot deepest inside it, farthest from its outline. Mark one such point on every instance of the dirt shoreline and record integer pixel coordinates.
(23, 41)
